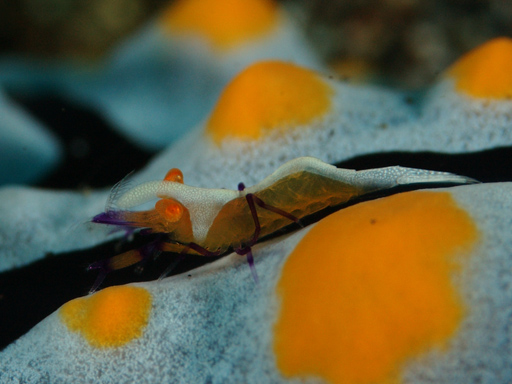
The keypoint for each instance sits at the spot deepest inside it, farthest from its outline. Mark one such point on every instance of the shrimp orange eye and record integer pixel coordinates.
(173, 212)
(170, 209)
(174, 175)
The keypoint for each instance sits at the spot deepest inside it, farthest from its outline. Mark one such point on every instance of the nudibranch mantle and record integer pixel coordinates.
(321, 184)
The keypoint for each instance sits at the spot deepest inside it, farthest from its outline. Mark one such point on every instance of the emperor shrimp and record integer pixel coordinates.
(209, 222)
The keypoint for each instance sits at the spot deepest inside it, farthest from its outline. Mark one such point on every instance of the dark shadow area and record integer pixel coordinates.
(95, 155)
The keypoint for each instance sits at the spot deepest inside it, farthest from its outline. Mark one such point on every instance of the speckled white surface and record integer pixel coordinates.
(215, 326)
(37, 222)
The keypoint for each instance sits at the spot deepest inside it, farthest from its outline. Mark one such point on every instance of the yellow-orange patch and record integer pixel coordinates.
(266, 96)
(225, 23)
(486, 70)
(111, 317)
(370, 287)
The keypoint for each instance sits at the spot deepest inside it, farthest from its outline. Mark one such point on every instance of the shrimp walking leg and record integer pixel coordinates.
(196, 247)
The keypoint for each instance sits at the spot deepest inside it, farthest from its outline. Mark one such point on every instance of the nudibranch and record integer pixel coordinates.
(212, 221)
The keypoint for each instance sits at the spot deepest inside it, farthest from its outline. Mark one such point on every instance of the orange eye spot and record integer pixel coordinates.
(174, 175)
(225, 23)
(170, 209)
(486, 70)
(173, 212)
(109, 318)
(370, 287)
(266, 96)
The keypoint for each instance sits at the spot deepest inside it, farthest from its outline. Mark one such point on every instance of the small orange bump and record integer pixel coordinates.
(225, 23)
(109, 318)
(370, 287)
(174, 175)
(170, 209)
(268, 95)
(486, 70)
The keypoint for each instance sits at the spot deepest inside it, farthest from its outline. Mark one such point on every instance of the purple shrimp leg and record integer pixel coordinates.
(123, 260)
(247, 251)
(173, 265)
(102, 265)
(196, 247)
(271, 208)
(257, 227)
(251, 201)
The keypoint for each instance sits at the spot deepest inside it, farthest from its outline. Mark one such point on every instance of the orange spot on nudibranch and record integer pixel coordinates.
(268, 95)
(486, 70)
(224, 23)
(109, 318)
(369, 288)
(174, 175)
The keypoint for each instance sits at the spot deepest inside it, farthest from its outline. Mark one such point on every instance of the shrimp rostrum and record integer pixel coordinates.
(212, 221)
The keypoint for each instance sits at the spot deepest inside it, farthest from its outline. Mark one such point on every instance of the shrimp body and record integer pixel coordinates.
(212, 221)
